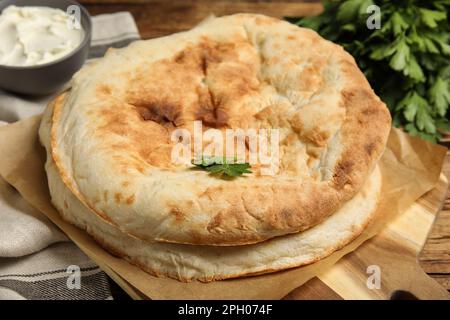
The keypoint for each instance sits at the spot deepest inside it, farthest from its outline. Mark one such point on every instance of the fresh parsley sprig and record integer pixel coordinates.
(407, 60)
(223, 166)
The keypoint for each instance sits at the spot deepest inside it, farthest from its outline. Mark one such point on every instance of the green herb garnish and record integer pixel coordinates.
(223, 166)
(406, 61)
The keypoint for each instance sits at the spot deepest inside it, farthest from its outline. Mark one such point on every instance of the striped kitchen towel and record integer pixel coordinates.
(37, 261)
(60, 272)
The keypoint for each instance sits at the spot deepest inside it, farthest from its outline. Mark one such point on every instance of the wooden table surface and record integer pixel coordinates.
(158, 18)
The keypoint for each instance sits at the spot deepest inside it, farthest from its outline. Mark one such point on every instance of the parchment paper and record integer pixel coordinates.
(410, 168)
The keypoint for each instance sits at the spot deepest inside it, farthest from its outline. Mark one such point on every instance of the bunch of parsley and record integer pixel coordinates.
(407, 60)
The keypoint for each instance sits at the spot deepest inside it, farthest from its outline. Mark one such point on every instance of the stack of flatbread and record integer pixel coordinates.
(109, 147)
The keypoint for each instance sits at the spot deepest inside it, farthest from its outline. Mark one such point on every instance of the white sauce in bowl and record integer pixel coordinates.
(32, 36)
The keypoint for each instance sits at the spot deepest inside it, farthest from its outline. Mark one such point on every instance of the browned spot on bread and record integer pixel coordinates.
(189, 204)
(204, 64)
(118, 197)
(286, 215)
(140, 169)
(130, 199)
(291, 138)
(210, 112)
(104, 89)
(120, 147)
(370, 111)
(180, 57)
(311, 77)
(105, 195)
(160, 112)
(318, 137)
(370, 147)
(310, 161)
(215, 222)
(177, 213)
(313, 151)
(125, 184)
(225, 219)
(115, 121)
(296, 124)
(342, 173)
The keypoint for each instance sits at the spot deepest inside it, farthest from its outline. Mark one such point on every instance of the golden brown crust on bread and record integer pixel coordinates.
(207, 263)
(231, 72)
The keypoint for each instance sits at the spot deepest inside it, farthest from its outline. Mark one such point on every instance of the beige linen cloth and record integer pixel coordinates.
(37, 261)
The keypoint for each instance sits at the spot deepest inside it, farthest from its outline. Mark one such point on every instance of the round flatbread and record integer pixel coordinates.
(111, 133)
(207, 263)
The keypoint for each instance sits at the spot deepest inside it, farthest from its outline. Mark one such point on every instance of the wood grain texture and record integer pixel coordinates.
(395, 252)
(158, 18)
(314, 289)
(435, 256)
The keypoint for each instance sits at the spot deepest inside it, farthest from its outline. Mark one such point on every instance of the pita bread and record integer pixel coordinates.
(111, 131)
(206, 263)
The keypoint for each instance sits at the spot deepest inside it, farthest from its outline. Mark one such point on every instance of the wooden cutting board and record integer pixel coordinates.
(395, 251)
